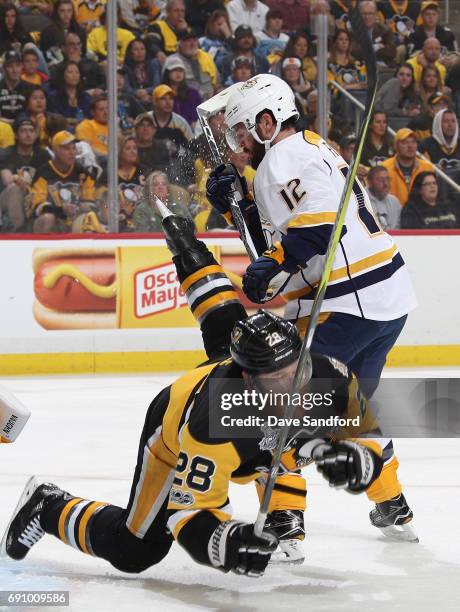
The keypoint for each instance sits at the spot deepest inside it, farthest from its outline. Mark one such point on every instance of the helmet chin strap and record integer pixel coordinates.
(266, 143)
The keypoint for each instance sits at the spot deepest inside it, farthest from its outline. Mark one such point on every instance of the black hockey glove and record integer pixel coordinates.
(233, 546)
(222, 182)
(346, 465)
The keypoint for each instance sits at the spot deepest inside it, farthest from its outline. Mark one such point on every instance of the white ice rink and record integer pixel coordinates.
(83, 435)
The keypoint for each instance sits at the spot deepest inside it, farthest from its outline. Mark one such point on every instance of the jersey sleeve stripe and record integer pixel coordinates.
(309, 219)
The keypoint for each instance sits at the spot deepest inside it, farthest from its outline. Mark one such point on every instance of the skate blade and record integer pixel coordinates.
(400, 533)
(289, 552)
(30, 487)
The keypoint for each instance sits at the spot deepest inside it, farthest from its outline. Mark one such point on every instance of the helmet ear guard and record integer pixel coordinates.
(264, 92)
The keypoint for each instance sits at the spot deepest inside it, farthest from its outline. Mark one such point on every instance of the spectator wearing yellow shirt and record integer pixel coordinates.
(95, 131)
(97, 41)
(89, 13)
(163, 33)
(428, 56)
(30, 72)
(6, 135)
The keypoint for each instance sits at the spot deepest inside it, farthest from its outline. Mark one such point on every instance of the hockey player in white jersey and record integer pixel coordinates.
(297, 191)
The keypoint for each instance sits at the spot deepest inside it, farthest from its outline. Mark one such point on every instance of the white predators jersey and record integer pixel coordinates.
(299, 185)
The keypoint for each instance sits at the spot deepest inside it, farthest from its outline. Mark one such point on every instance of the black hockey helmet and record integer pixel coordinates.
(264, 342)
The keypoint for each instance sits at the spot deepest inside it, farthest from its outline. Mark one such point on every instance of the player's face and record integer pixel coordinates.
(280, 381)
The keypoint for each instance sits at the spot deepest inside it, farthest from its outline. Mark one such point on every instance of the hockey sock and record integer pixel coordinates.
(289, 493)
(71, 521)
(387, 485)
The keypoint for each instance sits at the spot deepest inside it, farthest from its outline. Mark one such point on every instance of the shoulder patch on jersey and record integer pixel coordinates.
(312, 138)
(338, 365)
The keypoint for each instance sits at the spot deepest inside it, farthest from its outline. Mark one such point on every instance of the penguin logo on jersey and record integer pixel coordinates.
(236, 334)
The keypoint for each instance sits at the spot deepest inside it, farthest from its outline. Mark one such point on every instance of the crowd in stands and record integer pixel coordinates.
(174, 54)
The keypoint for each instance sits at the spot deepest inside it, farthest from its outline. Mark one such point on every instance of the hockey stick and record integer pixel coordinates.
(205, 110)
(304, 366)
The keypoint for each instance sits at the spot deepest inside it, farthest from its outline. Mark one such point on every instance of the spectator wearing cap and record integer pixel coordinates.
(430, 28)
(162, 34)
(62, 189)
(295, 13)
(13, 90)
(30, 68)
(425, 209)
(186, 99)
(95, 131)
(242, 70)
(422, 124)
(380, 35)
(299, 45)
(217, 37)
(170, 126)
(62, 21)
(19, 165)
(404, 166)
(291, 72)
(244, 43)
(97, 42)
(197, 13)
(153, 153)
(386, 206)
(429, 55)
(247, 12)
(200, 69)
(92, 75)
(142, 74)
(443, 148)
(70, 99)
(146, 217)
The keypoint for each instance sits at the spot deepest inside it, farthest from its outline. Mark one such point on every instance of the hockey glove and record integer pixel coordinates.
(260, 275)
(347, 465)
(219, 186)
(233, 546)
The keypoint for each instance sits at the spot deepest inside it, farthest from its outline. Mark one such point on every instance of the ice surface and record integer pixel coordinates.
(83, 435)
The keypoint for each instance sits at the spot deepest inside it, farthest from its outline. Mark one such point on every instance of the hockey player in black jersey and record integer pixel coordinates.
(180, 485)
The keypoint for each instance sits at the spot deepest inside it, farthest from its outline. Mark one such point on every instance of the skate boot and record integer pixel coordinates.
(288, 526)
(25, 529)
(393, 518)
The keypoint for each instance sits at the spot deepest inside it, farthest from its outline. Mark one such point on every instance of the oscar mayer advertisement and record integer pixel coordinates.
(108, 288)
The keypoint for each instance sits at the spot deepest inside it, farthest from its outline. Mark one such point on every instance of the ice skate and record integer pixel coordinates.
(393, 518)
(288, 526)
(24, 529)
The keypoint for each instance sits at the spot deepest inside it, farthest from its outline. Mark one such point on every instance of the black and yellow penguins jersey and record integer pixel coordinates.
(51, 189)
(88, 12)
(400, 17)
(339, 11)
(181, 461)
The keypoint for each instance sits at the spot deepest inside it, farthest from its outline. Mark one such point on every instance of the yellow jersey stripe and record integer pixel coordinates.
(213, 301)
(354, 268)
(199, 274)
(310, 219)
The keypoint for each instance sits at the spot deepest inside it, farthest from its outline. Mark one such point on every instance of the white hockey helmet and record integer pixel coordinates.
(259, 93)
